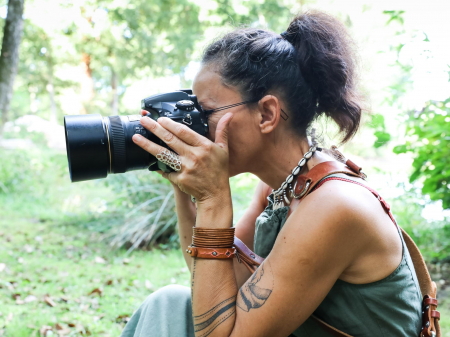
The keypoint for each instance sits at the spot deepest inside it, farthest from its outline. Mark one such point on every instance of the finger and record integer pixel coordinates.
(166, 136)
(184, 133)
(147, 145)
(222, 130)
(171, 176)
(144, 112)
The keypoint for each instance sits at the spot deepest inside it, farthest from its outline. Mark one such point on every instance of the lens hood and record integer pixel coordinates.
(87, 147)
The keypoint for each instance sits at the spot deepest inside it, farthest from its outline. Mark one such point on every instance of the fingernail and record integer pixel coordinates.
(137, 138)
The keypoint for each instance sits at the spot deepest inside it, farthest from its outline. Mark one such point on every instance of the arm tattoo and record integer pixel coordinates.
(207, 322)
(255, 292)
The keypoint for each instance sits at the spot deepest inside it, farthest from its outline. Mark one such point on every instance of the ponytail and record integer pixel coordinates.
(311, 65)
(326, 61)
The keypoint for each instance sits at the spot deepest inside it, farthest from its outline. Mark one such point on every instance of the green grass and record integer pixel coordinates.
(47, 258)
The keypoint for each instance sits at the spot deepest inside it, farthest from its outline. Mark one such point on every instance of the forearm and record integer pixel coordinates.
(214, 287)
(186, 212)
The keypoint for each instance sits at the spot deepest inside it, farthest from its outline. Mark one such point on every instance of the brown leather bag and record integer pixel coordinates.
(305, 185)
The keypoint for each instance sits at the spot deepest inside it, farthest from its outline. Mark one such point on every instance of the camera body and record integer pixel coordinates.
(99, 145)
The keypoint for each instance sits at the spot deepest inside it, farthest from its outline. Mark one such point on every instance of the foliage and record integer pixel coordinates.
(145, 209)
(94, 290)
(432, 237)
(428, 138)
(379, 126)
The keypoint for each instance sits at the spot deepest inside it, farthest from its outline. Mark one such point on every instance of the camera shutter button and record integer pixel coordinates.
(185, 105)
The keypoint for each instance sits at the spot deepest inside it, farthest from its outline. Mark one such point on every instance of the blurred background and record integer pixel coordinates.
(77, 259)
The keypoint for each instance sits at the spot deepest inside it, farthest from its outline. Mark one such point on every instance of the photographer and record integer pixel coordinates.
(338, 254)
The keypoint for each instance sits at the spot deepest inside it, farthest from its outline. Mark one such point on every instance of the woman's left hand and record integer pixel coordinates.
(204, 164)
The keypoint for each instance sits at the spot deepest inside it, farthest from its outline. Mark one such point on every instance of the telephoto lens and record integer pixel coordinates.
(99, 145)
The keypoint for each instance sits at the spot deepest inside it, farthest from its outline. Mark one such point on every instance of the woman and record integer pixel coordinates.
(338, 255)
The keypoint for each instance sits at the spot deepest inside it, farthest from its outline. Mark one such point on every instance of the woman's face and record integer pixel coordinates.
(244, 132)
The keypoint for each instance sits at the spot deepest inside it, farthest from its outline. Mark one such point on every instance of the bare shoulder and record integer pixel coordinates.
(352, 220)
(346, 201)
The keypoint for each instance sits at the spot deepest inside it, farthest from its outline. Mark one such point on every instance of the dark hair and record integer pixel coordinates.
(312, 67)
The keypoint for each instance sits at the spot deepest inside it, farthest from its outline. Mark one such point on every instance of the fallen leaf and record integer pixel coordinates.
(126, 261)
(109, 282)
(30, 298)
(72, 325)
(15, 296)
(64, 332)
(99, 259)
(96, 291)
(65, 299)
(45, 329)
(97, 318)
(122, 319)
(58, 326)
(48, 300)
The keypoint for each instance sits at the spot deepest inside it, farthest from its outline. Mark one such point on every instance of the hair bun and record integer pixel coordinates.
(327, 63)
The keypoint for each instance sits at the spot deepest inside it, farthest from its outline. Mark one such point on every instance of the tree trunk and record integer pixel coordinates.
(9, 57)
(115, 96)
(51, 88)
(86, 83)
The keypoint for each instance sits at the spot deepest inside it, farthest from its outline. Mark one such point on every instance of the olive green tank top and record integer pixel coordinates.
(388, 307)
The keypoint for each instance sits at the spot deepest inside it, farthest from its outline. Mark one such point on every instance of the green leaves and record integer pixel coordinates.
(428, 138)
(380, 133)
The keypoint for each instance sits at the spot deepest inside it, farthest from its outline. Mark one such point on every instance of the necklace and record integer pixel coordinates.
(280, 197)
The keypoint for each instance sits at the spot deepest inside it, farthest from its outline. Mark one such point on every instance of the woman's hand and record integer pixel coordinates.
(204, 164)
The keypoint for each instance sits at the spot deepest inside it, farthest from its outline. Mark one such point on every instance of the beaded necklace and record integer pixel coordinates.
(280, 198)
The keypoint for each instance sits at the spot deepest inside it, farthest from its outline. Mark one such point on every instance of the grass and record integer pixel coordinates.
(93, 289)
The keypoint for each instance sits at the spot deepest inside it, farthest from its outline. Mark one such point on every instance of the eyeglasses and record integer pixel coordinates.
(210, 111)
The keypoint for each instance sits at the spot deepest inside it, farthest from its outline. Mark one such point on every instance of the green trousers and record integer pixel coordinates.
(165, 313)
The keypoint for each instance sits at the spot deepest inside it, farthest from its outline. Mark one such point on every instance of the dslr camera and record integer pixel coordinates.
(99, 145)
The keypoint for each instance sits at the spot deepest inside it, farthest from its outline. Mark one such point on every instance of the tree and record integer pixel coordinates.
(429, 141)
(9, 57)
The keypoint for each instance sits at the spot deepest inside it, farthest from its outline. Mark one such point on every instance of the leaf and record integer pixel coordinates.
(49, 301)
(96, 291)
(30, 298)
(400, 149)
(44, 330)
(100, 260)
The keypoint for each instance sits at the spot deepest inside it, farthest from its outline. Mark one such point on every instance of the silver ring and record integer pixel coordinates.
(170, 158)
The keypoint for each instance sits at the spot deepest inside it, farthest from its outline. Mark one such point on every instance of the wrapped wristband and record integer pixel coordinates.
(211, 253)
(212, 243)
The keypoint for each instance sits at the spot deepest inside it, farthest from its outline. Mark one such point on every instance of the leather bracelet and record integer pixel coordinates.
(213, 237)
(211, 253)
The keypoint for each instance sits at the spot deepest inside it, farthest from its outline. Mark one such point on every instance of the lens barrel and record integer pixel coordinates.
(87, 147)
(99, 145)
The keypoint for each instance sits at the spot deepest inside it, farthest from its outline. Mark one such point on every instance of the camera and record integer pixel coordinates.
(99, 145)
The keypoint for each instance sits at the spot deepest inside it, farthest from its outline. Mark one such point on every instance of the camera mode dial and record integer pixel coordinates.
(185, 105)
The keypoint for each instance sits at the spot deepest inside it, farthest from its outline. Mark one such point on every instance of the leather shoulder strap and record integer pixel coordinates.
(306, 183)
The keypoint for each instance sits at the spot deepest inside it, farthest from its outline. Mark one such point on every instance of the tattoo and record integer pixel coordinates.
(253, 296)
(192, 280)
(207, 322)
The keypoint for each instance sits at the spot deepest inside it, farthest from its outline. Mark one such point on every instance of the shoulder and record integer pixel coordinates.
(338, 215)
(342, 200)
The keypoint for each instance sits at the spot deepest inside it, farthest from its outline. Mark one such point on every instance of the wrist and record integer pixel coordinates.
(215, 212)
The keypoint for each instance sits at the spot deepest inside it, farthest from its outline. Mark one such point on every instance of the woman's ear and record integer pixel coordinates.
(269, 110)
